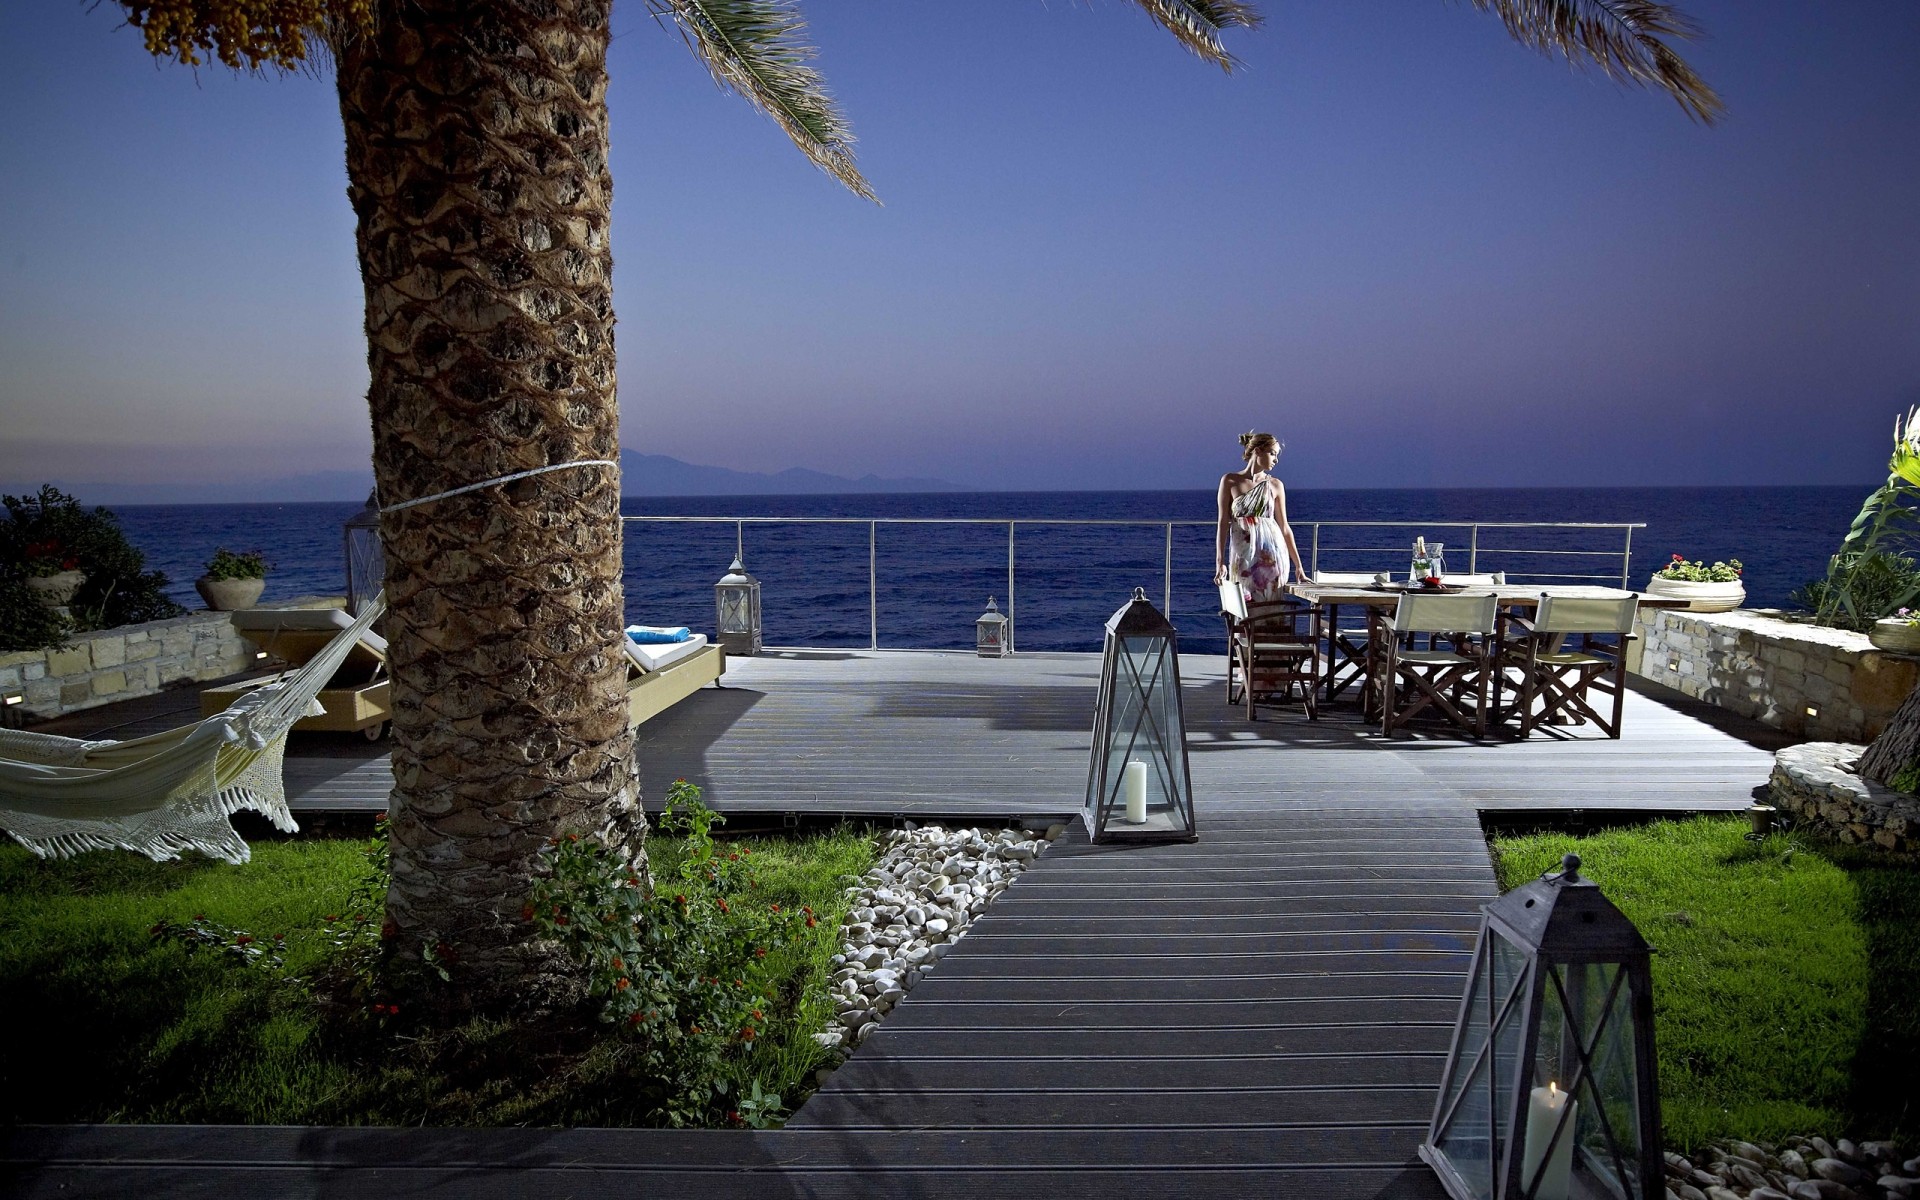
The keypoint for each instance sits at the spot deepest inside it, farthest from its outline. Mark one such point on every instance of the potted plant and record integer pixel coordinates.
(1899, 633)
(53, 573)
(1715, 588)
(233, 580)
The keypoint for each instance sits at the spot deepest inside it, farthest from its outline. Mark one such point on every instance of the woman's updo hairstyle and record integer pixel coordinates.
(1252, 443)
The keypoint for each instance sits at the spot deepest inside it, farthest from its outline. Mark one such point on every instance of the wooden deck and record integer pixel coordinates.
(1261, 1013)
(920, 734)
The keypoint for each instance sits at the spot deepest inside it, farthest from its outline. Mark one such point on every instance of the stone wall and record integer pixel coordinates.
(105, 665)
(1826, 684)
(1817, 784)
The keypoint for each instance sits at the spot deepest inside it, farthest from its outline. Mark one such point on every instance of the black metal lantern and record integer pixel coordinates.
(366, 560)
(990, 632)
(736, 601)
(1549, 1091)
(1138, 785)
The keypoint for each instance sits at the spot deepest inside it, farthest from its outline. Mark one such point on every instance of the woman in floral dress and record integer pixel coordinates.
(1255, 544)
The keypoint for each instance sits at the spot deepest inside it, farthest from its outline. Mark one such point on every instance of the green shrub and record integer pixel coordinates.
(230, 564)
(689, 968)
(51, 528)
(1861, 588)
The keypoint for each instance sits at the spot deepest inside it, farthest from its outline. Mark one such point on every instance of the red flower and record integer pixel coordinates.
(243, 939)
(746, 1035)
(635, 1019)
(760, 952)
(1679, 558)
(618, 965)
(526, 912)
(723, 905)
(621, 984)
(559, 920)
(757, 1016)
(774, 907)
(810, 922)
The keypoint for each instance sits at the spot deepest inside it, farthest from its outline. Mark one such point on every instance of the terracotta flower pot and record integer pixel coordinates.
(1893, 633)
(227, 595)
(55, 590)
(1701, 597)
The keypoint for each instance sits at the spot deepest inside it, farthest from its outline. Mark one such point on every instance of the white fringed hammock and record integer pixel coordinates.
(169, 792)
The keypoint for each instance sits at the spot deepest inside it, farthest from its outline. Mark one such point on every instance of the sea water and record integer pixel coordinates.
(933, 580)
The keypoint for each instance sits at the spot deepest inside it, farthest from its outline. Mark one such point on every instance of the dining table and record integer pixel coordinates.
(1346, 662)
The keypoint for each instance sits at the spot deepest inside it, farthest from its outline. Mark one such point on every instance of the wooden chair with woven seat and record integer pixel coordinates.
(1279, 650)
(1451, 673)
(1557, 681)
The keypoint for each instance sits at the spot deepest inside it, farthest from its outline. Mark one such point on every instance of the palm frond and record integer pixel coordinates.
(758, 49)
(1197, 23)
(1624, 38)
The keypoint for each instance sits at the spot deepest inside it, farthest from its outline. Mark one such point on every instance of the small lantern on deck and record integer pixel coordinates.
(366, 561)
(1138, 785)
(990, 638)
(1549, 1091)
(737, 606)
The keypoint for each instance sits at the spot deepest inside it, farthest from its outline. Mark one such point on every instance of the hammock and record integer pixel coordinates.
(169, 792)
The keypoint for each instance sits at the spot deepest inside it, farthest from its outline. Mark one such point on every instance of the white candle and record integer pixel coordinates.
(1136, 789)
(1543, 1113)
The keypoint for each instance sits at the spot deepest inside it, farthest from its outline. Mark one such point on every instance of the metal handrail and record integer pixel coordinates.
(873, 524)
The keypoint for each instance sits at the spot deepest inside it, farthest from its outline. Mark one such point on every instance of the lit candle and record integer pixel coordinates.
(1136, 789)
(1543, 1114)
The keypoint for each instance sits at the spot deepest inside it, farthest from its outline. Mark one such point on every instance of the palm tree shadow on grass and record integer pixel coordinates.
(1888, 1057)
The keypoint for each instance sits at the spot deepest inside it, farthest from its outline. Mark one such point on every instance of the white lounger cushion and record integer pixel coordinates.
(652, 658)
(303, 620)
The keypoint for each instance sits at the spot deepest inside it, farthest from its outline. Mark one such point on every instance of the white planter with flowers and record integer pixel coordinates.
(1715, 588)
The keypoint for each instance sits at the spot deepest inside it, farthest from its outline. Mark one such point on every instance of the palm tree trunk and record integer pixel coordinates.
(476, 137)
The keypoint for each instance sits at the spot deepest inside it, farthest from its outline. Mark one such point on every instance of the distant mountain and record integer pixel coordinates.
(659, 475)
(640, 475)
(286, 489)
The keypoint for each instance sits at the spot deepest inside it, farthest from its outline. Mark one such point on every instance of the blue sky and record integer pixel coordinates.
(1419, 253)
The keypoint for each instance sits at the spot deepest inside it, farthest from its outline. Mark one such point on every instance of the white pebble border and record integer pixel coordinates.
(919, 898)
(1802, 1169)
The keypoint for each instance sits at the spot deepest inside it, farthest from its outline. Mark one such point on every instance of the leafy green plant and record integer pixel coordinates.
(42, 535)
(232, 564)
(688, 967)
(1699, 572)
(1871, 575)
(1862, 589)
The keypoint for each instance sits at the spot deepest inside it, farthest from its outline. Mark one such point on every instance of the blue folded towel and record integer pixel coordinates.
(656, 635)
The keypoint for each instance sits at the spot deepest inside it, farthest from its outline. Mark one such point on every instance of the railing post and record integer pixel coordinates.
(1166, 596)
(740, 540)
(1009, 587)
(1626, 563)
(873, 585)
(1313, 564)
(1473, 551)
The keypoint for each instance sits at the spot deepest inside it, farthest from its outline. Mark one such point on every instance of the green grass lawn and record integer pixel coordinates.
(109, 1024)
(1786, 974)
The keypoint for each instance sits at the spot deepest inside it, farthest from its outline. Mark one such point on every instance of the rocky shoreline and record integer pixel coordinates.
(1800, 1169)
(919, 898)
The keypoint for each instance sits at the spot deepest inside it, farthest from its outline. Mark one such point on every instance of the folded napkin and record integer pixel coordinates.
(655, 635)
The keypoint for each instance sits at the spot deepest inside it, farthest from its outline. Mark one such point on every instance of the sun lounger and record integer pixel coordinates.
(356, 697)
(660, 676)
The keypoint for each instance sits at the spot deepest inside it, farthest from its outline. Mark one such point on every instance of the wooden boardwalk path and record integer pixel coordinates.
(1261, 1013)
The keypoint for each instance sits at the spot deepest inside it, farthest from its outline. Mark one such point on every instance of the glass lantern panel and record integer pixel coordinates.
(366, 567)
(1584, 1061)
(1474, 1137)
(1142, 793)
(1607, 1126)
(734, 612)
